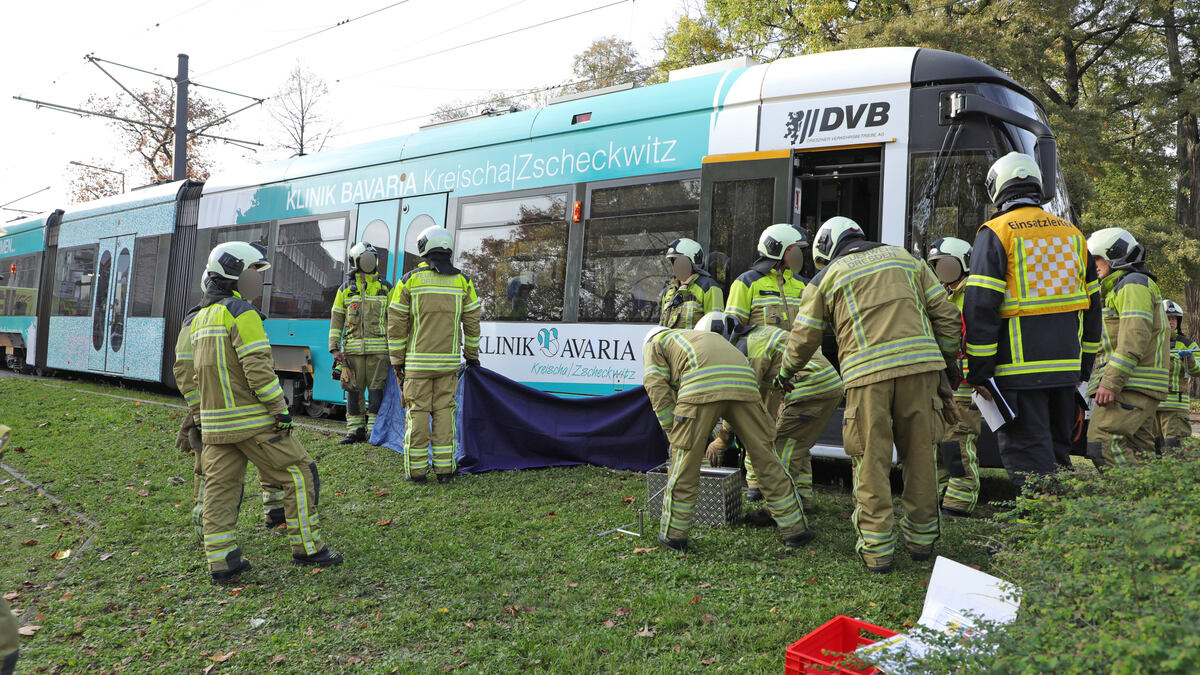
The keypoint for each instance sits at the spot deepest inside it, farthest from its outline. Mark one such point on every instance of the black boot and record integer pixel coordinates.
(799, 539)
(760, 518)
(359, 435)
(237, 565)
(754, 495)
(322, 558)
(274, 518)
(416, 479)
(445, 477)
(674, 544)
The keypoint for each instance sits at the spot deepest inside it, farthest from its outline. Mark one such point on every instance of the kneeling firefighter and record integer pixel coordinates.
(358, 340)
(244, 417)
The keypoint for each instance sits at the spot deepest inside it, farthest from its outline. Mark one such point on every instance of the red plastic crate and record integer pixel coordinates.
(822, 650)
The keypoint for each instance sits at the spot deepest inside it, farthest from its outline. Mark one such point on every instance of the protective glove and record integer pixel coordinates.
(472, 363)
(783, 382)
(183, 437)
(283, 422)
(338, 356)
(949, 407)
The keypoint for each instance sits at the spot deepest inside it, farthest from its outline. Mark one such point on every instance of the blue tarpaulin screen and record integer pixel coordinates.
(505, 425)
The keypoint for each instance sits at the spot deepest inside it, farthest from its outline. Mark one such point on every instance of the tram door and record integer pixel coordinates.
(416, 215)
(112, 296)
(840, 182)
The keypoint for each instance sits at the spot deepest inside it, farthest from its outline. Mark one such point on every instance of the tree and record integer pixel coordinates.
(297, 110)
(88, 183)
(153, 140)
(607, 62)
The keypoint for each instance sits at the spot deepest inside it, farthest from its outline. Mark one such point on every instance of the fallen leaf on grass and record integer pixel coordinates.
(63, 554)
(29, 542)
(573, 584)
(105, 556)
(28, 630)
(278, 658)
(707, 662)
(209, 669)
(694, 600)
(623, 611)
(628, 500)
(12, 488)
(143, 493)
(386, 522)
(647, 549)
(175, 480)
(317, 570)
(609, 623)
(43, 425)
(550, 514)
(645, 632)
(705, 586)
(12, 595)
(708, 618)
(354, 659)
(380, 492)
(222, 657)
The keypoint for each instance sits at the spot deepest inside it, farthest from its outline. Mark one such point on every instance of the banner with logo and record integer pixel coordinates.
(565, 358)
(813, 122)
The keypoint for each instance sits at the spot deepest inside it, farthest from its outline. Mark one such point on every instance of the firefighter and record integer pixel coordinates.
(188, 439)
(895, 329)
(433, 321)
(1132, 370)
(958, 475)
(693, 377)
(691, 292)
(766, 295)
(1032, 313)
(9, 637)
(358, 339)
(1174, 422)
(243, 416)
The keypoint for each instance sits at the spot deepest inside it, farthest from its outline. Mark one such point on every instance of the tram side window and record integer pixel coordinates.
(18, 284)
(150, 258)
(515, 252)
(627, 232)
(309, 266)
(73, 276)
(741, 210)
(208, 238)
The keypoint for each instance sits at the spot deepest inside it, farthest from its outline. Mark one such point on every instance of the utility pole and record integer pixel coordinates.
(179, 159)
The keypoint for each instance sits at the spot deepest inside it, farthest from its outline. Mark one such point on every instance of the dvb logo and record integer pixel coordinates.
(802, 124)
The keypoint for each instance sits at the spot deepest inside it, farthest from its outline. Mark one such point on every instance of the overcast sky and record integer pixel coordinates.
(45, 42)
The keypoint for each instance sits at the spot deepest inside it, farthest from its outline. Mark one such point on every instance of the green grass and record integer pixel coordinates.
(493, 573)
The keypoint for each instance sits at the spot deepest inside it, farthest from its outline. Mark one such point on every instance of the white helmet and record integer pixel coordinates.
(435, 238)
(777, 238)
(230, 259)
(687, 248)
(1172, 308)
(653, 333)
(830, 235)
(1117, 246)
(1014, 170)
(715, 322)
(364, 258)
(949, 249)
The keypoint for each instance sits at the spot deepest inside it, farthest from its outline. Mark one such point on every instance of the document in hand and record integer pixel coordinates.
(995, 412)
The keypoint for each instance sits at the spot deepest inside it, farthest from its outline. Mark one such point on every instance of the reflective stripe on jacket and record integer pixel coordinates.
(684, 303)
(890, 314)
(235, 373)
(692, 366)
(758, 299)
(184, 368)
(358, 320)
(433, 322)
(1026, 323)
(1135, 351)
(765, 348)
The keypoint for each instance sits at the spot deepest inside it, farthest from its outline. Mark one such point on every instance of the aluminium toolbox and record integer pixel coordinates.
(718, 499)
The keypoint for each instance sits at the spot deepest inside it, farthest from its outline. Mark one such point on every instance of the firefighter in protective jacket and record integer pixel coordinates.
(1131, 375)
(694, 377)
(958, 476)
(1032, 313)
(433, 322)
(692, 292)
(243, 416)
(358, 339)
(895, 329)
(767, 294)
(188, 439)
(1174, 423)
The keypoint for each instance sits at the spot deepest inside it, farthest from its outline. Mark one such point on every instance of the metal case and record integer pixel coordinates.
(718, 500)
